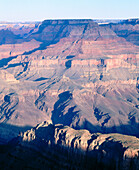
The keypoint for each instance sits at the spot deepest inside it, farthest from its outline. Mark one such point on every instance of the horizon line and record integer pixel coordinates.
(25, 21)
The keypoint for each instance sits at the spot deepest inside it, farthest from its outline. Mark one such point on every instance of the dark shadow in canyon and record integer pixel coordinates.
(9, 131)
(65, 112)
(59, 115)
(123, 129)
(4, 61)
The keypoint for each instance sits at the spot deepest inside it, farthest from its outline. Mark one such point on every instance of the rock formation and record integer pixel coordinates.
(74, 72)
(82, 77)
(57, 146)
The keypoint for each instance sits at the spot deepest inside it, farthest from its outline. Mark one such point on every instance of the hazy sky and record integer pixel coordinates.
(36, 10)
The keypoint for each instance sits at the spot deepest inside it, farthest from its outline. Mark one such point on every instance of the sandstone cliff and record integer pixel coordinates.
(57, 146)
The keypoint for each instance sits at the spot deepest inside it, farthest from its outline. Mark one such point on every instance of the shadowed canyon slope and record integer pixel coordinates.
(73, 72)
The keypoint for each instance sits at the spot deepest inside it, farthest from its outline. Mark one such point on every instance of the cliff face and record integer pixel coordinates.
(127, 29)
(58, 146)
(81, 139)
(74, 72)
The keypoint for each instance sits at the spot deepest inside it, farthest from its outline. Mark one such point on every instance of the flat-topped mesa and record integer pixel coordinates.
(69, 22)
(51, 31)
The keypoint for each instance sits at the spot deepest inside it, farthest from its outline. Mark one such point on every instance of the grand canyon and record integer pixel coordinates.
(69, 94)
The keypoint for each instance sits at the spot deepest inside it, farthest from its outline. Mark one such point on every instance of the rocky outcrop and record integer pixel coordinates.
(112, 151)
(4, 75)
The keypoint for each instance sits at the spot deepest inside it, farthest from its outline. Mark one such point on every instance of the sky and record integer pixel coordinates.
(39, 10)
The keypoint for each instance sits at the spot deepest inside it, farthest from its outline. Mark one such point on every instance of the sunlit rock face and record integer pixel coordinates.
(74, 72)
(57, 146)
